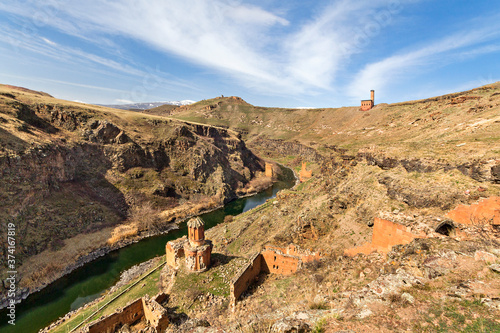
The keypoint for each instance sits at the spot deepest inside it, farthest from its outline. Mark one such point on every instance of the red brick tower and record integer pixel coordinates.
(196, 232)
(368, 104)
(197, 250)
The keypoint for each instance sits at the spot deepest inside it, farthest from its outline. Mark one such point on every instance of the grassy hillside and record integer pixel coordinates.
(410, 163)
(70, 169)
(433, 127)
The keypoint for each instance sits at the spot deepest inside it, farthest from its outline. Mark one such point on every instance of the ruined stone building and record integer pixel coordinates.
(269, 170)
(274, 260)
(195, 250)
(368, 104)
(149, 310)
(304, 174)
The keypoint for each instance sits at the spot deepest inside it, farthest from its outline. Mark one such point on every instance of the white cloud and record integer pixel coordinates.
(461, 45)
(266, 50)
(260, 48)
(123, 101)
(48, 41)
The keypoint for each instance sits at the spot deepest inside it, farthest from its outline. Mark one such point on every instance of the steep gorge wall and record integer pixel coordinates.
(92, 171)
(285, 148)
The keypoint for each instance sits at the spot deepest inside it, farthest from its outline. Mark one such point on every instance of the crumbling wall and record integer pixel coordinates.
(246, 276)
(366, 105)
(155, 314)
(277, 262)
(304, 174)
(386, 234)
(130, 314)
(174, 251)
(272, 259)
(286, 261)
(269, 170)
(486, 211)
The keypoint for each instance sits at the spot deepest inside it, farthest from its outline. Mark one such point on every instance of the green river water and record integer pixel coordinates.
(88, 282)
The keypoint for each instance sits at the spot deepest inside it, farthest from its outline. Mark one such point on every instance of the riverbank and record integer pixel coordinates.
(89, 282)
(43, 262)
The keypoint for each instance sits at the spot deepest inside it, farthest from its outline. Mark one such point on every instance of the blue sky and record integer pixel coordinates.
(295, 53)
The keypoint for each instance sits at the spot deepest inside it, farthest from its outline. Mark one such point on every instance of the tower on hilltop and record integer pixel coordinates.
(368, 104)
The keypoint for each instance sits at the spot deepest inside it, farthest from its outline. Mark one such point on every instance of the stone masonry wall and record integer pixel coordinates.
(128, 315)
(366, 105)
(279, 263)
(247, 275)
(269, 170)
(174, 251)
(155, 314)
(386, 234)
(484, 212)
(304, 173)
(274, 260)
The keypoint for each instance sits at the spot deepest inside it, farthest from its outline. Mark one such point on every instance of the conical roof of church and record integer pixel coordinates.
(195, 223)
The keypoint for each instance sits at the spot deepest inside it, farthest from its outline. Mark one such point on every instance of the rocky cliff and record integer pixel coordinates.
(68, 169)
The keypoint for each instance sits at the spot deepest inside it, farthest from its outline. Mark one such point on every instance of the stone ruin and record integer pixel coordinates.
(368, 104)
(485, 211)
(195, 250)
(269, 170)
(387, 234)
(304, 174)
(150, 310)
(274, 260)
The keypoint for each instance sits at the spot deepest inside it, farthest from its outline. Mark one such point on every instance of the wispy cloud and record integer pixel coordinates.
(67, 83)
(459, 46)
(271, 51)
(256, 46)
(48, 41)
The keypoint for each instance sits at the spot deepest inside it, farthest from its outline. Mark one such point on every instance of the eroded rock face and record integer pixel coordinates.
(419, 196)
(482, 171)
(108, 133)
(383, 287)
(81, 180)
(290, 325)
(495, 172)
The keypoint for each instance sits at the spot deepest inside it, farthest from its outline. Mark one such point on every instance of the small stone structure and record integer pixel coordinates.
(269, 170)
(149, 309)
(386, 234)
(304, 174)
(274, 260)
(368, 104)
(485, 211)
(196, 249)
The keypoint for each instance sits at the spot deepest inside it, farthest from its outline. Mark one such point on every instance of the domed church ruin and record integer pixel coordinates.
(196, 249)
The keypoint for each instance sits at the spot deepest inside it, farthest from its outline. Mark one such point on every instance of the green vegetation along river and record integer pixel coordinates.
(88, 282)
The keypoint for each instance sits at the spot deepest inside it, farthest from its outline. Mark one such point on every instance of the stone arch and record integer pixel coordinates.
(445, 228)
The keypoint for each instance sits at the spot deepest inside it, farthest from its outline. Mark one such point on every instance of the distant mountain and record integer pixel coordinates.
(146, 106)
